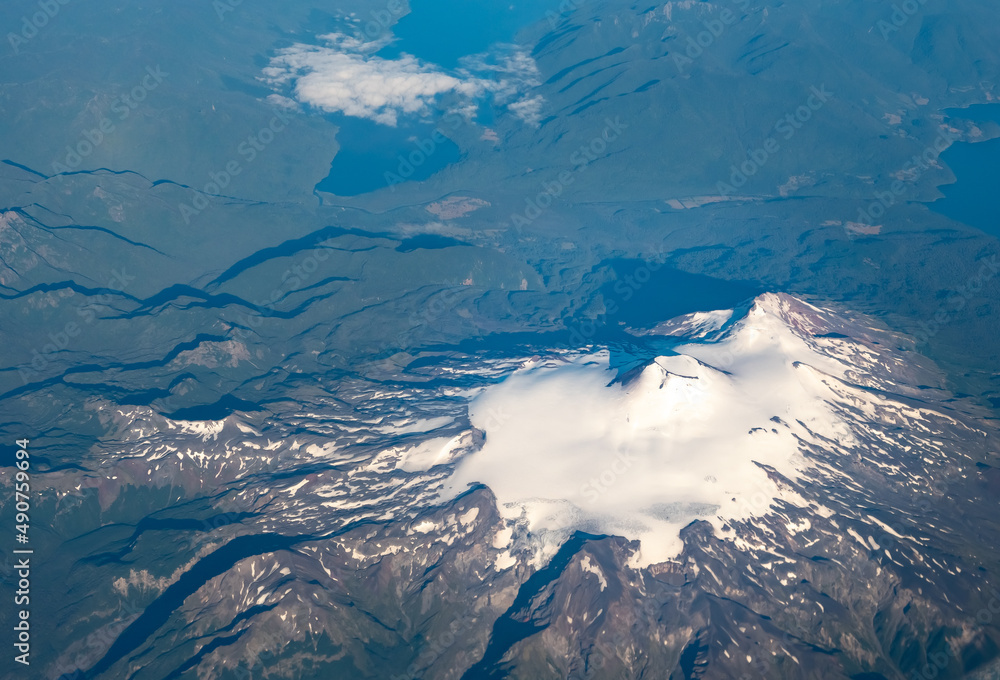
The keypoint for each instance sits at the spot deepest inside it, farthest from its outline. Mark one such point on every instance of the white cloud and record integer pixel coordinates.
(528, 110)
(345, 76)
(282, 102)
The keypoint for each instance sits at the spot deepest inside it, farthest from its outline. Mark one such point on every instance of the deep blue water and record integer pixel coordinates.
(976, 112)
(441, 31)
(975, 198)
(437, 33)
(408, 152)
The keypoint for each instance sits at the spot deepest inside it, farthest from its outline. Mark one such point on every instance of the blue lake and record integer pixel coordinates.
(977, 112)
(439, 33)
(975, 198)
(444, 31)
(374, 156)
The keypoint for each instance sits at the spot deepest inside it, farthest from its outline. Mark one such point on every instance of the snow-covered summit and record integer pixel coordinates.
(712, 432)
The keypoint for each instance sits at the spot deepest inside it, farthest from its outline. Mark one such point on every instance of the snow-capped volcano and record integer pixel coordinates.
(715, 431)
(798, 494)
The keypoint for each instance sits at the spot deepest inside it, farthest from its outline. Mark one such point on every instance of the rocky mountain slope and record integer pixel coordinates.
(328, 537)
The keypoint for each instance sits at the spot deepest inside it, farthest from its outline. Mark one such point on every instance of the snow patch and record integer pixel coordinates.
(469, 516)
(683, 440)
(432, 452)
(504, 561)
(595, 570)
